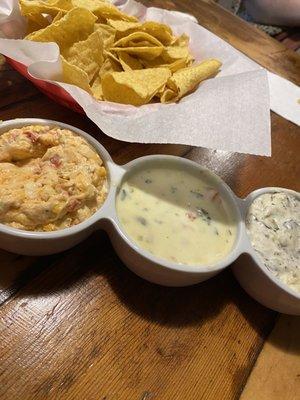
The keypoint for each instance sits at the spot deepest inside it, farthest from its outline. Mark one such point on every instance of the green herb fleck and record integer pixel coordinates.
(123, 195)
(142, 220)
(197, 194)
(204, 214)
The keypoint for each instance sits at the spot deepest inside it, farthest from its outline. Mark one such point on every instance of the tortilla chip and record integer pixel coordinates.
(90, 5)
(139, 44)
(136, 38)
(134, 87)
(171, 59)
(148, 53)
(160, 62)
(74, 75)
(160, 31)
(106, 11)
(110, 65)
(97, 89)
(177, 64)
(129, 63)
(112, 57)
(87, 54)
(58, 16)
(185, 80)
(168, 96)
(123, 26)
(75, 26)
(172, 53)
(36, 22)
(190, 60)
(107, 34)
(181, 41)
(51, 7)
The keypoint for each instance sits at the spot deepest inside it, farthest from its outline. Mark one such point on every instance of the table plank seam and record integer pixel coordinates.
(259, 350)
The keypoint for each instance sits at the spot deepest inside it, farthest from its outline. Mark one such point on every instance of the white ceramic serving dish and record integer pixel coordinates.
(256, 280)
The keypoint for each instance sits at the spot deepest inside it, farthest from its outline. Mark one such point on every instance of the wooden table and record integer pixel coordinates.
(79, 325)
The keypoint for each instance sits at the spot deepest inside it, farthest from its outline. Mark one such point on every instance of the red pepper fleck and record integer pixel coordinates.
(37, 170)
(55, 160)
(32, 136)
(215, 196)
(15, 134)
(191, 215)
(73, 204)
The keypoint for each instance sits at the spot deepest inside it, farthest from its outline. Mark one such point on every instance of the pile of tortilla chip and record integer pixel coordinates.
(112, 55)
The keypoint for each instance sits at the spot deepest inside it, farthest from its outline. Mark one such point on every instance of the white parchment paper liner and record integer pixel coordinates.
(230, 112)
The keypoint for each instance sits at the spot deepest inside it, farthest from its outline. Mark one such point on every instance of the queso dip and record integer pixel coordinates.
(177, 214)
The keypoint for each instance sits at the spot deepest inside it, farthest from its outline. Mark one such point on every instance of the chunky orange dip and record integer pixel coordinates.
(50, 178)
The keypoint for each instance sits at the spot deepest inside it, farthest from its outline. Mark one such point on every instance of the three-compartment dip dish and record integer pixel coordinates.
(171, 221)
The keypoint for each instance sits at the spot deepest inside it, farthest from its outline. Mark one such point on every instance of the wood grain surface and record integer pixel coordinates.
(245, 37)
(276, 374)
(79, 325)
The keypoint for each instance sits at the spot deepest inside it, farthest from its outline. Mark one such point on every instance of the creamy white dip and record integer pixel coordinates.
(176, 214)
(273, 224)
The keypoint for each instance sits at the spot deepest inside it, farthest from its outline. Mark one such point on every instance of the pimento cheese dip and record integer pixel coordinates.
(50, 178)
(177, 214)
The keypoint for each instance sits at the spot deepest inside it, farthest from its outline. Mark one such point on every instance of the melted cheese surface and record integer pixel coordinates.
(177, 215)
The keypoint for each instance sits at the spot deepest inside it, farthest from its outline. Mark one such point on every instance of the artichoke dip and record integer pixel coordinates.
(50, 178)
(273, 224)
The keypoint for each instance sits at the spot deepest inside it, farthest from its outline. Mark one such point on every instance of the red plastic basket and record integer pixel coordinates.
(54, 92)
